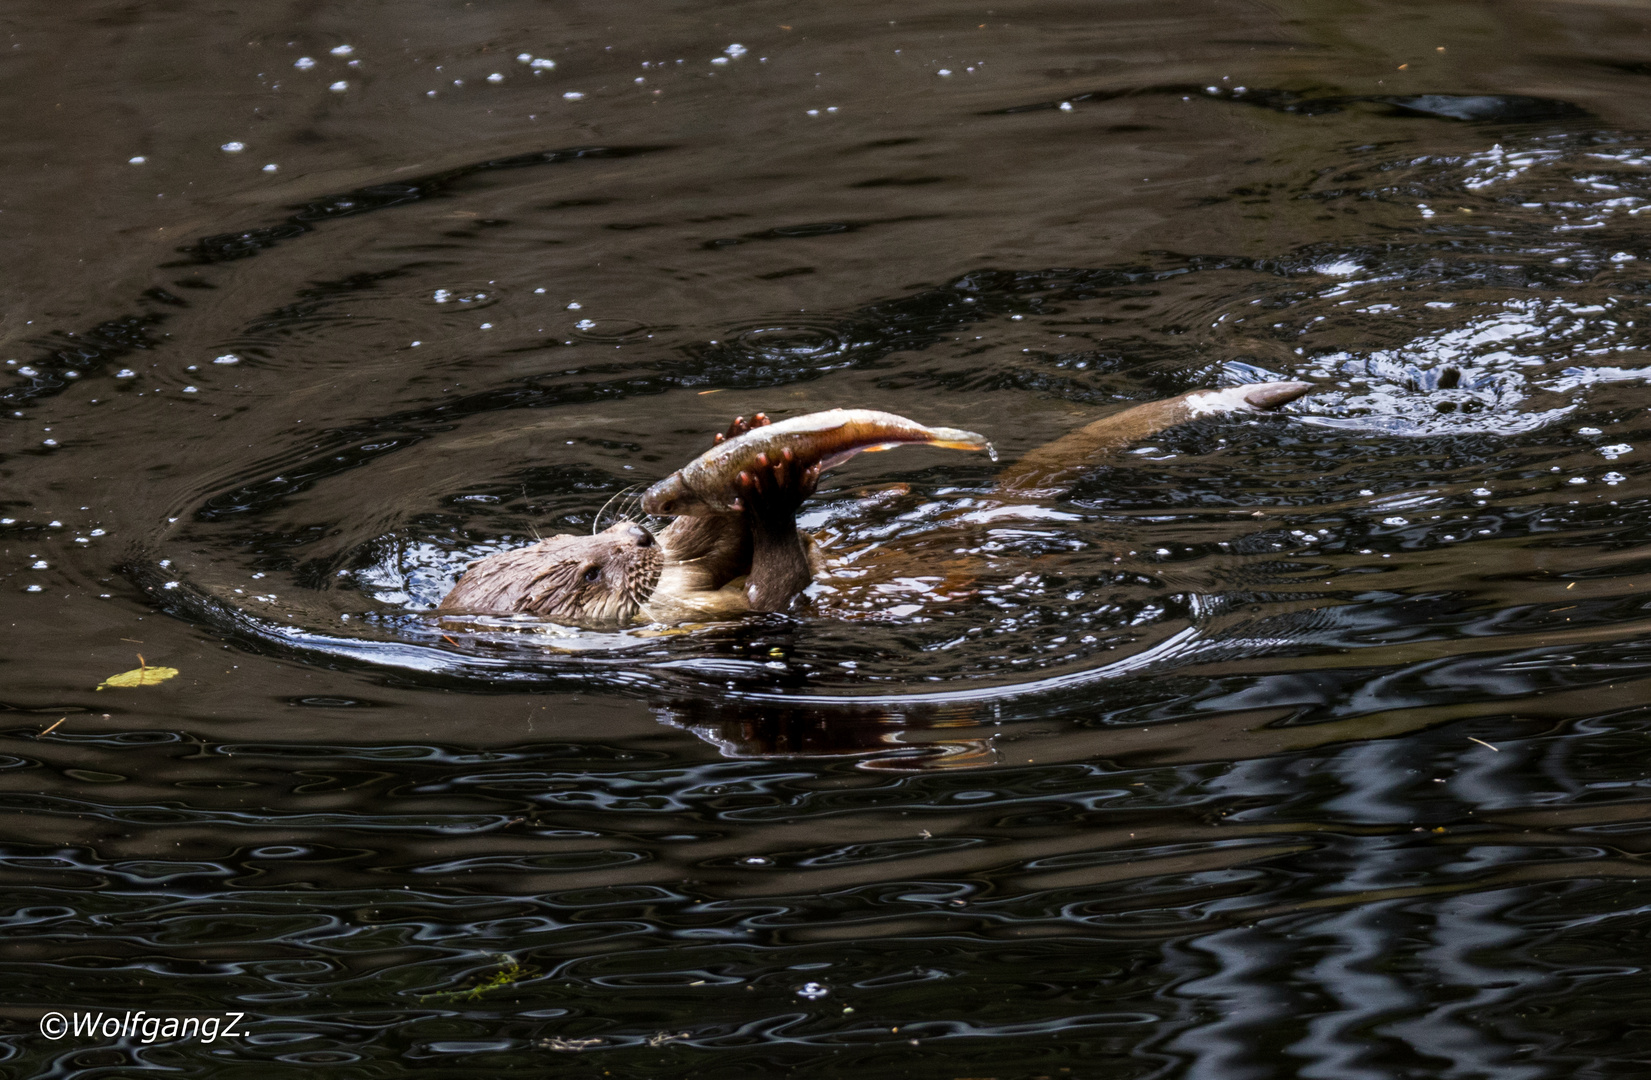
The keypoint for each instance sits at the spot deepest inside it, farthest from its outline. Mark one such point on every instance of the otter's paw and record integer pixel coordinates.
(740, 426)
(774, 486)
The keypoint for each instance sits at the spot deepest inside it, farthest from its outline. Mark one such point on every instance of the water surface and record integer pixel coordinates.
(1307, 745)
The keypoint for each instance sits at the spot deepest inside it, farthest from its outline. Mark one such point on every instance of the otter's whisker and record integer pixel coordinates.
(596, 522)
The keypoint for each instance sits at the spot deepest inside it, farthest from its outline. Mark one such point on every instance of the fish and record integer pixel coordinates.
(710, 483)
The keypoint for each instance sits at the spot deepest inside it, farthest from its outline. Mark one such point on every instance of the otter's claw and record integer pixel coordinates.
(740, 427)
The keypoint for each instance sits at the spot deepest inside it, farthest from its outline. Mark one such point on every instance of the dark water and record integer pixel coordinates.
(1309, 746)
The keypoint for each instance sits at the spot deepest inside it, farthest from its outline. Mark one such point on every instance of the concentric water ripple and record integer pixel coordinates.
(1310, 744)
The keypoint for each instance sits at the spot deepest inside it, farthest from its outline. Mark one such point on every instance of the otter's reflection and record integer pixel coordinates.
(888, 739)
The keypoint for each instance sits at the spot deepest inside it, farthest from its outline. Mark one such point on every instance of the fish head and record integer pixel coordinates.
(672, 497)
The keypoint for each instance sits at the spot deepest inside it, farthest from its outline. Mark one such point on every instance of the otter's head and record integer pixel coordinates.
(591, 581)
(594, 581)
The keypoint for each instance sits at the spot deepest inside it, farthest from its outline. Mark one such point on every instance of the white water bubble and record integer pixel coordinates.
(1589, 431)
(97, 532)
(542, 64)
(442, 296)
(139, 160)
(233, 147)
(339, 87)
(719, 59)
(1482, 492)
(574, 305)
(813, 991)
(736, 50)
(496, 77)
(1577, 480)
(1622, 257)
(48, 442)
(524, 58)
(755, 860)
(540, 289)
(1616, 450)
(304, 63)
(572, 95)
(944, 71)
(271, 167)
(342, 50)
(226, 358)
(32, 588)
(126, 373)
(1613, 478)
(38, 564)
(190, 390)
(1066, 106)
(585, 324)
(1395, 521)
(486, 326)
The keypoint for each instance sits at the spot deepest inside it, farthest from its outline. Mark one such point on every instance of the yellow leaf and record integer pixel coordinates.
(140, 676)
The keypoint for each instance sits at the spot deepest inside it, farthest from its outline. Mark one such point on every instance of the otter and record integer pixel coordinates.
(724, 565)
(697, 569)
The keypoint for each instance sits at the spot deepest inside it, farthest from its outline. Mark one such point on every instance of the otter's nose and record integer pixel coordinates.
(642, 536)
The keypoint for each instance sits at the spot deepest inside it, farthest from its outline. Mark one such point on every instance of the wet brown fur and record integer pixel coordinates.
(582, 580)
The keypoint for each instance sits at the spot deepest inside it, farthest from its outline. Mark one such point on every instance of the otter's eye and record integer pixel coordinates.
(668, 506)
(593, 573)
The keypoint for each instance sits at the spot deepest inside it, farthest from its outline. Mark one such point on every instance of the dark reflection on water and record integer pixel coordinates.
(1311, 745)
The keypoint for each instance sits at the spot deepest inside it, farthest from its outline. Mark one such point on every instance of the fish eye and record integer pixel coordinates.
(592, 573)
